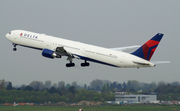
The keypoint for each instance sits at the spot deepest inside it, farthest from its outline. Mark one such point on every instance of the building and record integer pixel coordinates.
(132, 98)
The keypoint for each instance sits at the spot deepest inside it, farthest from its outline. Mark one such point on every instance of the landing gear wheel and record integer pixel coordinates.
(73, 64)
(85, 64)
(14, 49)
(82, 64)
(70, 65)
(67, 65)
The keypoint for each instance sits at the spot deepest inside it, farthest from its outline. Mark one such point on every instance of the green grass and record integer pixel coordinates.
(89, 108)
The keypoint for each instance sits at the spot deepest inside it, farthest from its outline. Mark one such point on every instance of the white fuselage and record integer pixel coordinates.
(77, 49)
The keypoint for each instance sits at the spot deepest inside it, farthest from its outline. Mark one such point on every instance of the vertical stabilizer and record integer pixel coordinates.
(146, 50)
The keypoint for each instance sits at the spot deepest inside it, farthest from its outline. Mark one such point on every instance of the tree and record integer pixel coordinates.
(74, 84)
(134, 84)
(169, 89)
(132, 90)
(111, 87)
(104, 88)
(22, 86)
(54, 85)
(176, 83)
(72, 90)
(67, 86)
(114, 85)
(37, 85)
(2, 82)
(160, 89)
(177, 89)
(95, 83)
(28, 88)
(98, 88)
(161, 83)
(129, 84)
(62, 90)
(85, 86)
(152, 86)
(9, 87)
(52, 90)
(119, 86)
(124, 86)
(107, 86)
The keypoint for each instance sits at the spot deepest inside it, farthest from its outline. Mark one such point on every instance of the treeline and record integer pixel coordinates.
(168, 92)
(69, 96)
(53, 94)
(98, 90)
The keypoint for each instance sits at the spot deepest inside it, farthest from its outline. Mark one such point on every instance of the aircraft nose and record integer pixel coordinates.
(8, 35)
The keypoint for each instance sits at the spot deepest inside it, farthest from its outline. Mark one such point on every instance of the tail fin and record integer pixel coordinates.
(146, 51)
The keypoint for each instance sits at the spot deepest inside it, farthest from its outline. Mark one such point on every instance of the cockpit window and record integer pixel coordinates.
(9, 32)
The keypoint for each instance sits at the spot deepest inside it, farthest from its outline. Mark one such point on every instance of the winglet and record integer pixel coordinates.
(146, 50)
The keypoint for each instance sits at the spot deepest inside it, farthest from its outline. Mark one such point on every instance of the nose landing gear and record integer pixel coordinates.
(14, 49)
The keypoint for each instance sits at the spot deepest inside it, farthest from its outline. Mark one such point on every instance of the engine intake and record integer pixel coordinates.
(50, 54)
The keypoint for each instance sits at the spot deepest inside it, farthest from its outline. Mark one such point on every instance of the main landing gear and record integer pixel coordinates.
(14, 49)
(70, 64)
(85, 64)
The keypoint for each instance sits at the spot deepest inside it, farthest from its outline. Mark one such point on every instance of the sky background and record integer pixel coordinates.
(106, 23)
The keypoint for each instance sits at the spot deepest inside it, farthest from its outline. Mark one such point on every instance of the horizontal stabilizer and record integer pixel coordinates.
(160, 62)
(141, 63)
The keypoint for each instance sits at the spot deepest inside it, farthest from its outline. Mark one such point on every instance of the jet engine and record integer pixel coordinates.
(50, 54)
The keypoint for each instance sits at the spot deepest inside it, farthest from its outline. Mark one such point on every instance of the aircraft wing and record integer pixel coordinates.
(61, 51)
(125, 48)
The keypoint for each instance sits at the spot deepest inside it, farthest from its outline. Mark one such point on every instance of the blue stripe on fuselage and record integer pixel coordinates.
(93, 60)
(30, 47)
(81, 57)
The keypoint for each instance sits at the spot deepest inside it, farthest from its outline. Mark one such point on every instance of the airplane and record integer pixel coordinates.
(54, 47)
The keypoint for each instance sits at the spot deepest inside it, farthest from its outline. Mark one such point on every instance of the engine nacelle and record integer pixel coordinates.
(49, 54)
